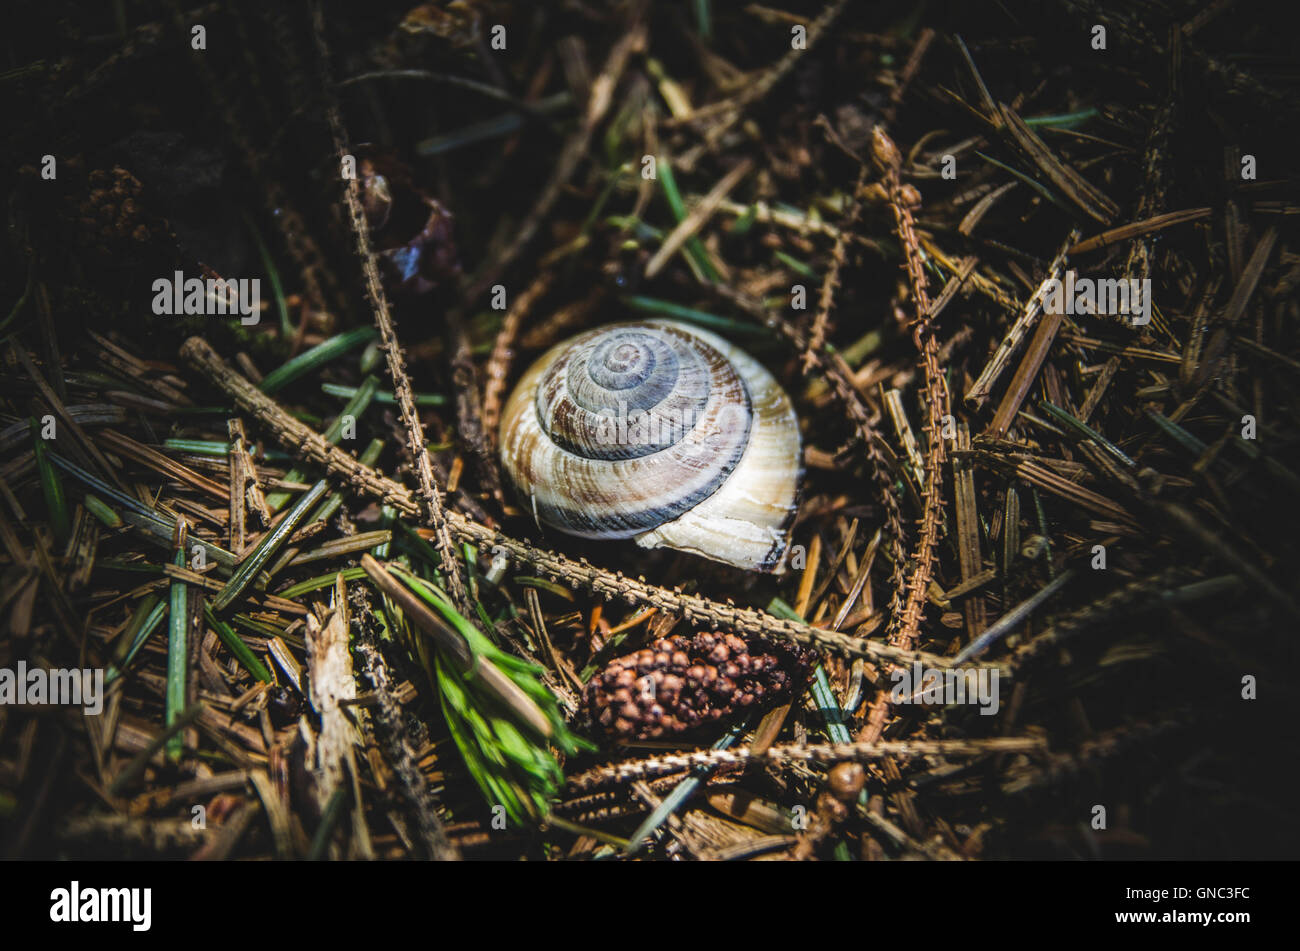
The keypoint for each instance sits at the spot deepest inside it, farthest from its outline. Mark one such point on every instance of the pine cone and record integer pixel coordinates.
(107, 213)
(111, 212)
(682, 684)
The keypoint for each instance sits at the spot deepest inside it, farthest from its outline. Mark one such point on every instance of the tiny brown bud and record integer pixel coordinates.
(835, 811)
(883, 150)
(846, 781)
(874, 194)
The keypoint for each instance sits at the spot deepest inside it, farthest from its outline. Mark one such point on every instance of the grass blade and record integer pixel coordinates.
(267, 547)
(177, 646)
(235, 644)
(318, 356)
(51, 487)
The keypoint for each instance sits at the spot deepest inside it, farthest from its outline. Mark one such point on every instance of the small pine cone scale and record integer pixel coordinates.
(682, 684)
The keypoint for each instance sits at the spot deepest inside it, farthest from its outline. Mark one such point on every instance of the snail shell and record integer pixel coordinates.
(661, 432)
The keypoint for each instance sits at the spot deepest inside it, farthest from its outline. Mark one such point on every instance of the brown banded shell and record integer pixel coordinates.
(660, 432)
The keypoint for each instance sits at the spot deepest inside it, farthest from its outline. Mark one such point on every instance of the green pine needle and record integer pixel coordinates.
(513, 766)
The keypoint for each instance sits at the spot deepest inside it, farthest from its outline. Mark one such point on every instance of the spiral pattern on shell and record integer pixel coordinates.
(657, 431)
